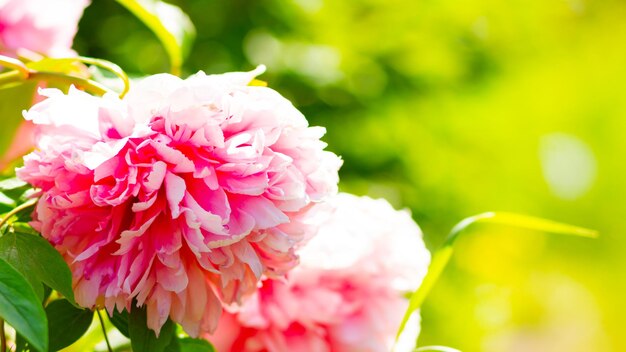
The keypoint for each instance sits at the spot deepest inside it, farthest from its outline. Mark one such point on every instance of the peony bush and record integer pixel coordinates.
(196, 214)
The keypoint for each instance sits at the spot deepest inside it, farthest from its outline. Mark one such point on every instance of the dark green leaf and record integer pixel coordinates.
(174, 345)
(38, 261)
(21, 345)
(120, 321)
(21, 308)
(13, 99)
(66, 323)
(144, 339)
(195, 345)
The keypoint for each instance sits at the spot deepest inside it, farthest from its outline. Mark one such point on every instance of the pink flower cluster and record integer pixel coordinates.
(192, 195)
(43, 26)
(347, 293)
(180, 196)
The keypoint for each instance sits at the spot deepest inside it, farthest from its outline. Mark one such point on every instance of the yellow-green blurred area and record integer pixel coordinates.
(452, 108)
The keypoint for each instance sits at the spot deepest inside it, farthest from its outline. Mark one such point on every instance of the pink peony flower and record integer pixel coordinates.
(178, 196)
(347, 293)
(44, 26)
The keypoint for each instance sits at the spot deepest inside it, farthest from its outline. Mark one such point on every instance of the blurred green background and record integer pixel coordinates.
(451, 108)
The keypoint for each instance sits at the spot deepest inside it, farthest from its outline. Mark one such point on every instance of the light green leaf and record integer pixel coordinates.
(6, 203)
(144, 339)
(169, 23)
(66, 323)
(38, 261)
(25, 228)
(436, 349)
(75, 65)
(13, 99)
(66, 66)
(11, 183)
(442, 256)
(523, 222)
(12, 192)
(21, 308)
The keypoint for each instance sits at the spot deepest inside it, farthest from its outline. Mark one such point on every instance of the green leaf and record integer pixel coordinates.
(66, 66)
(75, 65)
(22, 227)
(144, 339)
(21, 345)
(120, 321)
(21, 308)
(66, 323)
(11, 183)
(520, 221)
(189, 344)
(38, 261)
(174, 345)
(436, 349)
(13, 99)
(6, 203)
(195, 345)
(442, 256)
(169, 23)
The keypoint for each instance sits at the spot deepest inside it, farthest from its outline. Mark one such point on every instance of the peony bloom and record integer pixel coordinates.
(347, 293)
(43, 26)
(178, 196)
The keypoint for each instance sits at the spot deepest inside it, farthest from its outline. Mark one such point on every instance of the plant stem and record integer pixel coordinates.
(23, 206)
(10, 77)
(104, 331)
(15, 64)
(86, 84)
(3, 338)
(115, 69)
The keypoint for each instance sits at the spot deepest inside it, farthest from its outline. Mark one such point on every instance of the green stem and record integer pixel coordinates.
(3, 337)
(104, 331)
(111, 67)
(23, 206)
(115, 69)
(11, 77)
(86, 84)
(15, 64)
(442, 256)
